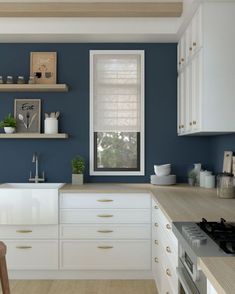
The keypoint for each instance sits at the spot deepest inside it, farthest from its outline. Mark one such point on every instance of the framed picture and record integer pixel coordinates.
(43, 65)
(27, 113)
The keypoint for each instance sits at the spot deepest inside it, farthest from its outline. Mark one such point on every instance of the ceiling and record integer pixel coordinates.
(91, 29)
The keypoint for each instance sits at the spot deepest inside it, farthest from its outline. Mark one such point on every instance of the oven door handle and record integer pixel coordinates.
(188, 289)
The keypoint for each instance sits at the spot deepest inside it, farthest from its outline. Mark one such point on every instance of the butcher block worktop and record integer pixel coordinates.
(183, 203)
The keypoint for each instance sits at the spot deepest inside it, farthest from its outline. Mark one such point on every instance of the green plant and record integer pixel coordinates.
(192, 175)
(8, 121)
(78, 165)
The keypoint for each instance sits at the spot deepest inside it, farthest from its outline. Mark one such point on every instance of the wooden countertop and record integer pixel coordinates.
(221, 273)
(183, 203)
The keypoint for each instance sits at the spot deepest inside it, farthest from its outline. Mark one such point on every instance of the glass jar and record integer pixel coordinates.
(225, 187)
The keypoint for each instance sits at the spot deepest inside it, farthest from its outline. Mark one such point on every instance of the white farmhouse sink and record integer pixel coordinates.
(31, 186)
(29, 204)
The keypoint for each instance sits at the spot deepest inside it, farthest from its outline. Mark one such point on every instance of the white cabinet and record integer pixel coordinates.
(210, 288)
(105, 231)
(206, 76)
(164, 252)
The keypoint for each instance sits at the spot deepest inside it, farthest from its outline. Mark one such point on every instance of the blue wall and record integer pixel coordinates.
(162, 143)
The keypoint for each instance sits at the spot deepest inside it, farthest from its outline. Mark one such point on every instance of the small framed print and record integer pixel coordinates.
(27, 113)
(43, 65)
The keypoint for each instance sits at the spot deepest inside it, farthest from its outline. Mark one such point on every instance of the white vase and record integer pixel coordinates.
(77, 179)
(51, 125)
(9, 130)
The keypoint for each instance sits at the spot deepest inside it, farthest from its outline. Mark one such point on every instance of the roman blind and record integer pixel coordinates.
(117, 92)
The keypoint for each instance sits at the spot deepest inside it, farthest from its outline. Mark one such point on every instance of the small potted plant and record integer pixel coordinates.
(8, 124)
(78, 167)
(192, 177)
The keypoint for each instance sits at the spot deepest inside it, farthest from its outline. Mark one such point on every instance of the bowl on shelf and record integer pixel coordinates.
(162, 170)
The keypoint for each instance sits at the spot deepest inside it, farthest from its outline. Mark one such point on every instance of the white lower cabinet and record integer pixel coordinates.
(105, 255)
(105, 231)
(32, 254)
(164, 252)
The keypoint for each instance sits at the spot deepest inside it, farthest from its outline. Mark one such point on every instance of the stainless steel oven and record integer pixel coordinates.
(191, 279)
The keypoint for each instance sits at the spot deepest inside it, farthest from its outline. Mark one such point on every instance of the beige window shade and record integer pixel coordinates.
(117, 92)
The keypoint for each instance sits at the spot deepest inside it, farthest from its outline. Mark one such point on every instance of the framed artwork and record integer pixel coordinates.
(27, 113)
(43, 65)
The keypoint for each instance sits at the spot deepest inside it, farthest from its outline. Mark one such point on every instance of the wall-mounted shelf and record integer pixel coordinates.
(33, 136)
(34, 88)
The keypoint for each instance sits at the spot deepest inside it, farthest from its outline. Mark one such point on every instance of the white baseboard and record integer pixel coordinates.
(79, 275)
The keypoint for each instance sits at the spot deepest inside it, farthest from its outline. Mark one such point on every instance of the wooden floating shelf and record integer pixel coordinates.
(91, 9)
(33, 136)
(33, 88)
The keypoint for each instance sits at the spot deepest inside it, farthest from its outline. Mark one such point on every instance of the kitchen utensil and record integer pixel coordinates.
(162, 170)
(227, 164)
(57, 114)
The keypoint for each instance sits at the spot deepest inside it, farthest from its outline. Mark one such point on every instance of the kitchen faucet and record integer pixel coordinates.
(36, 179)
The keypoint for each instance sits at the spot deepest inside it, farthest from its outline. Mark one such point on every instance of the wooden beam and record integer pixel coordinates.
(95, 9)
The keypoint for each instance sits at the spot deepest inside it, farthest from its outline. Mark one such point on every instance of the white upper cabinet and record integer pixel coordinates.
(206, 71)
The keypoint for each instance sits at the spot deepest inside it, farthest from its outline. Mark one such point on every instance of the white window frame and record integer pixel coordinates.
(141, 172)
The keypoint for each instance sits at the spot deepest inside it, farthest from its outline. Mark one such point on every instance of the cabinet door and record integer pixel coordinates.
(197, 31)
(188, 98)
(181, 53)
(181, 103)
(188, 44)
(196, 91)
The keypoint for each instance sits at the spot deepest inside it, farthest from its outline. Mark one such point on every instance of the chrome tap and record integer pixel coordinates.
(36, 179)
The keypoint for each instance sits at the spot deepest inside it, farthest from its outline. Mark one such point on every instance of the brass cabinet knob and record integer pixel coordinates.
(168, 226)
(182, 59)
(190, 123)
(168, 249)
(168, 272)
(194, 122)
(156, 242)
(156, 207)
(182, 126)
(179, 62)
(194, 44)
(156, 259)
(190, 48)
(156, 224)
(179, 127)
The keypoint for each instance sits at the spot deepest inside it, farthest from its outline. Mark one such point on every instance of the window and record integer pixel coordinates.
(117, 112)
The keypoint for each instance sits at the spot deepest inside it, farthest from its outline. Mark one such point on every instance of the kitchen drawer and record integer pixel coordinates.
(129, 216)
(168, 247)
(105, 200)
(32, 254)
(105, 231)
(106, 255)
(29, 232)
(160, 220)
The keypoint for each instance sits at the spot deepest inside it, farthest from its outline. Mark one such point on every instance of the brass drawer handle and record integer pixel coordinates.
(156, 207)
(105, 247)
(156, 260)
(168, 249)
(23, 247)
(24, 231)
(168, 272)
(105, 200)
(168, 226)
(105, 215)
(105, 231)
(156, 224)
(156, 242)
